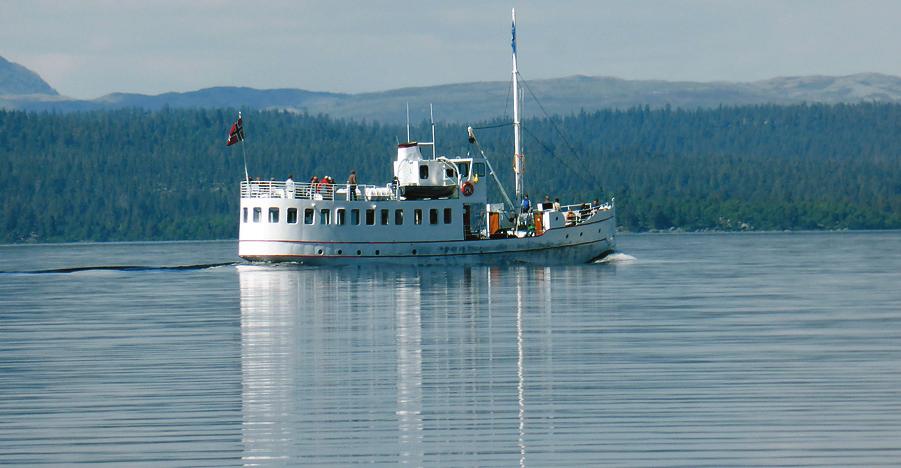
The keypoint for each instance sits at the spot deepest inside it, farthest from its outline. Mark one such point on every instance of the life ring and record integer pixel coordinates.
(468, 188)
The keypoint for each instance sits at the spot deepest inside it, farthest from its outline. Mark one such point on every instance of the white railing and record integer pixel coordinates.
(315, 191)
(577, 213)
(573, 214)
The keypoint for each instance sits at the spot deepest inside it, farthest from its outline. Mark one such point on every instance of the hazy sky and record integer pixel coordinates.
(89, 48)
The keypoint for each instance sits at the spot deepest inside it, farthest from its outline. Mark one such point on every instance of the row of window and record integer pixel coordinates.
(340, 216)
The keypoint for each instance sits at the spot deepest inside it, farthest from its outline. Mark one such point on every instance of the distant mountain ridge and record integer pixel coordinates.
(476, 101)
(17, 80)
(217, 97)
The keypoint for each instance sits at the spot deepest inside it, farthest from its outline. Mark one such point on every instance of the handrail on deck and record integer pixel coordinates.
(586, 206)
(579, 212)
(317, 191)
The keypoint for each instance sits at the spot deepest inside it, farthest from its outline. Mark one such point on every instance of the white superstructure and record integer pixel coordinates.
(434, 212)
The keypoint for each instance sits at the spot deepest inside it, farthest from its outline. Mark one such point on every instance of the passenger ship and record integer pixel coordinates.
(435, 211)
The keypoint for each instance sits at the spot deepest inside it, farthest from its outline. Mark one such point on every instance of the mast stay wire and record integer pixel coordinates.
(559, 132)
(546, 148)
(505, 124)
(580, 174)
(506, 105)
(534, 137)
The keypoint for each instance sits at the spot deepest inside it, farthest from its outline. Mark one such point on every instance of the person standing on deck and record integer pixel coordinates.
(526, 204)
(326, 184)
(352, 185)
(289, 186)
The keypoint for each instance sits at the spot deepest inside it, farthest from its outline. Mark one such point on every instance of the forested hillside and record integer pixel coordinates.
(139, 175)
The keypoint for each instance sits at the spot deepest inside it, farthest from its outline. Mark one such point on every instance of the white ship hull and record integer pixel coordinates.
(420, 243)
(584, 244)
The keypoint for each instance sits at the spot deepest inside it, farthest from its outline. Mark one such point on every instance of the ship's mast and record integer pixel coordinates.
(518, 159)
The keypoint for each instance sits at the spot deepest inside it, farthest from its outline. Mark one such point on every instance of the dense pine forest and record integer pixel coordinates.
(165, 175)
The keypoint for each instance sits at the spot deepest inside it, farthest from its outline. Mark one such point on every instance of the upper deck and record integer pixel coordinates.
(316, 191)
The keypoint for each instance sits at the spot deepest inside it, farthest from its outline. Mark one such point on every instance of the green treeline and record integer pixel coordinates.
(164, 175)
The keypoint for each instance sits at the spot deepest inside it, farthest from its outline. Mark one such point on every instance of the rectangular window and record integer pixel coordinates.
(339, 216)
(324, 216)
(480, 169)
(370, 217)
(308, 216)
(417, 216)
(384, 216)
(245, 214)
(423, 171)
(398, 217)
(433, 216)
(257, 214)
(464, 169)
(292, 215)
(273, 215)
(449, 173)
(355, 217)
(448, 215)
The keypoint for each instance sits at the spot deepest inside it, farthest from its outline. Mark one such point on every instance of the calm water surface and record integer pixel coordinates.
(683, 350)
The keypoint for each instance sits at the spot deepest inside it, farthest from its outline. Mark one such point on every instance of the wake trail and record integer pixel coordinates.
(617, 258)
(202, 266)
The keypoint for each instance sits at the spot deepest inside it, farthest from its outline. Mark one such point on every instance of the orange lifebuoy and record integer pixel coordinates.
(468, 188)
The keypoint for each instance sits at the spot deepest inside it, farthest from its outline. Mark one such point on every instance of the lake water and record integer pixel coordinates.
(682, 350)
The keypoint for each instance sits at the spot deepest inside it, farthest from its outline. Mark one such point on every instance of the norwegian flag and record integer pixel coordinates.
(236, 134)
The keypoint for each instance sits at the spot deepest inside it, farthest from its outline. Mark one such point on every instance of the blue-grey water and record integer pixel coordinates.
(682, 350)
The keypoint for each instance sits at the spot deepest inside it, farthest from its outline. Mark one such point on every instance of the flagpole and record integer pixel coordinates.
(243, 151)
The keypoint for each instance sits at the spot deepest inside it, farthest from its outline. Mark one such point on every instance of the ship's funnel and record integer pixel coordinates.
(408, 152)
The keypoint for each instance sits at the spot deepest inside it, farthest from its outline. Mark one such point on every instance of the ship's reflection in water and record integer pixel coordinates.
(413, 366)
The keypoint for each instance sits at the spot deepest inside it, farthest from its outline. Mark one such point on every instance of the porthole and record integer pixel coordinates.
(359, 252)
(377, 252)
(319, 251)
(567, 236)
(414, 251)
(340, 251)
(580, 234)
